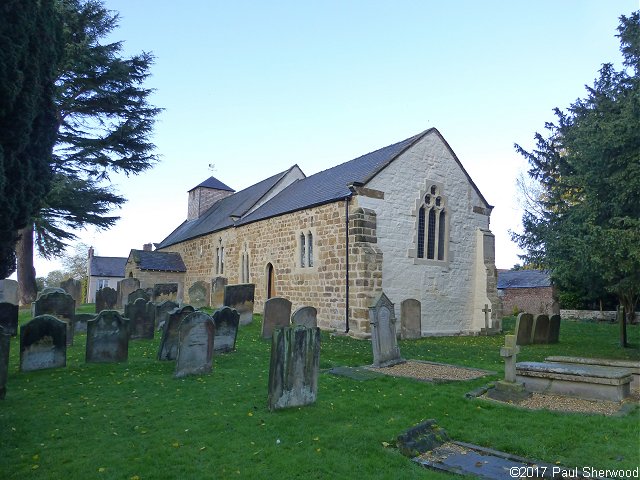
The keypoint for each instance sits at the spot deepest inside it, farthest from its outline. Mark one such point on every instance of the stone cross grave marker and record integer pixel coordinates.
(226, 321)
(294, 367)
(162, 312)
(199, 294)
(508, 353)
(524, 328)
(5, 343)
(59, 304)
(43, 343)
(9, 318)
(277, 313)
(142, 317)
(540, 329)
(554, 328)
(305, 316)
(217, 291)
(384, 341)
(106, 299)
(195, 345)
(170, 332)
(9, 291)
(241, 297)
(107, 338)
(125, 287)
(410, 319)
(487, 318)
(509, 390)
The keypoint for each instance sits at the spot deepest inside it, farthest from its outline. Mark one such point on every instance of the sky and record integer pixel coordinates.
(254, 87)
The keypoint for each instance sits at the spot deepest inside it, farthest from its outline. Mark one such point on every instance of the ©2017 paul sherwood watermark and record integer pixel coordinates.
(578, 472)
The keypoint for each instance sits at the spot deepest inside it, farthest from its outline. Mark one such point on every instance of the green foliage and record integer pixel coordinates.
(54, 278)
(587, 227)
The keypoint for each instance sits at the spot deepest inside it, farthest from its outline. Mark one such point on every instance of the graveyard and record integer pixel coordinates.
(138, 419)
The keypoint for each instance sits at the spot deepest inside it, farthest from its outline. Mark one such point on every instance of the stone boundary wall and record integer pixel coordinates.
(588, 315)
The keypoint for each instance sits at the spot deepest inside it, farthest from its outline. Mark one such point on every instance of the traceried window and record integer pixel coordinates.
(432, 226)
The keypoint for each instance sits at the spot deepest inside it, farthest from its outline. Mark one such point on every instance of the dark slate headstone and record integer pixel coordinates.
(226, 321)
(48, 290)
(9, 291)
(524, 328)
(108, 338)
(9, 318)
(277, 313)
(541, 329)
(58, 303)
(217, 291)
(170, 332)
(43, 343)
(136, 294)
(410, 319)
(195, 346)
(241, 297)
(199, 294)
(554, 329)
(74, 288)
(305, 316)
(165, 291)
(142, 317)
(106, 299)
(80, 322)
(294, 367)
(162, 312)
(125, 288)
(5, 343)
(384, 341)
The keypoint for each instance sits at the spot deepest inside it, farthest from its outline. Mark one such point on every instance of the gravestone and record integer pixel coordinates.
(5, 343)
(554, 329)
(226, 321)
(241, 297)
(524, 328)
(540, 329)
(136, 294)
(509, 390)
(43, 343)
(410, 319)
(106, 299)
(142, 317)
(383, 333)
(294, 367)
(195, 345)
(74, 288)
(80, 322)
(107, 338)
(277, 313)
(170, 332)
(165, 291)
(217, 291)
(305, 316)
(162, 312)
(125, 288)
(58, 303)
(48, 290)
(9, 291)
(9, 318)
(199, 294)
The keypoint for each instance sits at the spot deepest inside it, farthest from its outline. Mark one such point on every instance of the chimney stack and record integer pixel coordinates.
(147, 247)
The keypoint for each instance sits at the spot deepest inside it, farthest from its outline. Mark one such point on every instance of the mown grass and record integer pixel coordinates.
(134, 420)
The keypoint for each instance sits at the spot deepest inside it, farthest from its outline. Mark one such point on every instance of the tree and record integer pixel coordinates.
(54, 278)
(587, 227)
(104, 126)
(76, 264)
(30, 45)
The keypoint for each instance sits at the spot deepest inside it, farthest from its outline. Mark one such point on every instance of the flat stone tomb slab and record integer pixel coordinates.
(591, 382)
(632, 365)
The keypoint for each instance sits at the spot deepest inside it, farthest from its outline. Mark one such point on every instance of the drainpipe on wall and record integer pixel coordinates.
(346, 243)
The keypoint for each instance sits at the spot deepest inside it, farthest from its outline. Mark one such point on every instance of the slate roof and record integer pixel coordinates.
(107, 266)
(213, 182)
(158, 261)
(524, 279)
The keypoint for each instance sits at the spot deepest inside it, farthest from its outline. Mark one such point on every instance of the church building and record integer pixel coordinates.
(405, 219)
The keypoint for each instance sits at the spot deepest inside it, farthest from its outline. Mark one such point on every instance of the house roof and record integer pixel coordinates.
(107, 266)
(158, 261)
(524, 279)
(213, 182)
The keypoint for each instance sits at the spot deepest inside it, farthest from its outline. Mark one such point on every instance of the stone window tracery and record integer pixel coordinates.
(432, 226)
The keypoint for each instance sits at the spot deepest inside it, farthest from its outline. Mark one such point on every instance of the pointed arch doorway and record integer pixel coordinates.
(271, 281)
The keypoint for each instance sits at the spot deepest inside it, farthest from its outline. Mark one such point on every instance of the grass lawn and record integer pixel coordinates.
(135, 421)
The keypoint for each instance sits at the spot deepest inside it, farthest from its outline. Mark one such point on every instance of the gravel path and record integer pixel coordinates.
(430, 371)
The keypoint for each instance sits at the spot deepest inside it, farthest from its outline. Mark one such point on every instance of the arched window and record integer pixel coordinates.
(432, 226)
(303, 251)
(310, 249)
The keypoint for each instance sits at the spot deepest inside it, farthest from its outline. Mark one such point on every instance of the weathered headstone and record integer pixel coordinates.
(383, 332)
(199, 294)
(410, 319)
(165, 291)
(305, 316)
(43, 343)
(136, 294)
(226, 321)
(294, 367)
(5, 343)
(162, 312)
(142, 317)
(524, 328)
(277, 313)
(60, 304)
(48, 290)
(80, 322)
(107, 338)
(9, 291)
(241, 297)
(74, 288)
(554, 329)
(9, 318)
(195, 346)
(125, 288)
(217, 291)
(170, 332)
(106, 299)
(540, 329)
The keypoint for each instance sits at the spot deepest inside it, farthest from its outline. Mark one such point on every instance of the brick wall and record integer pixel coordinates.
(530, 300)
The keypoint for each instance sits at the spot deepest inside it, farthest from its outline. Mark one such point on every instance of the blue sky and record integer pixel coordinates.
(254, 87)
